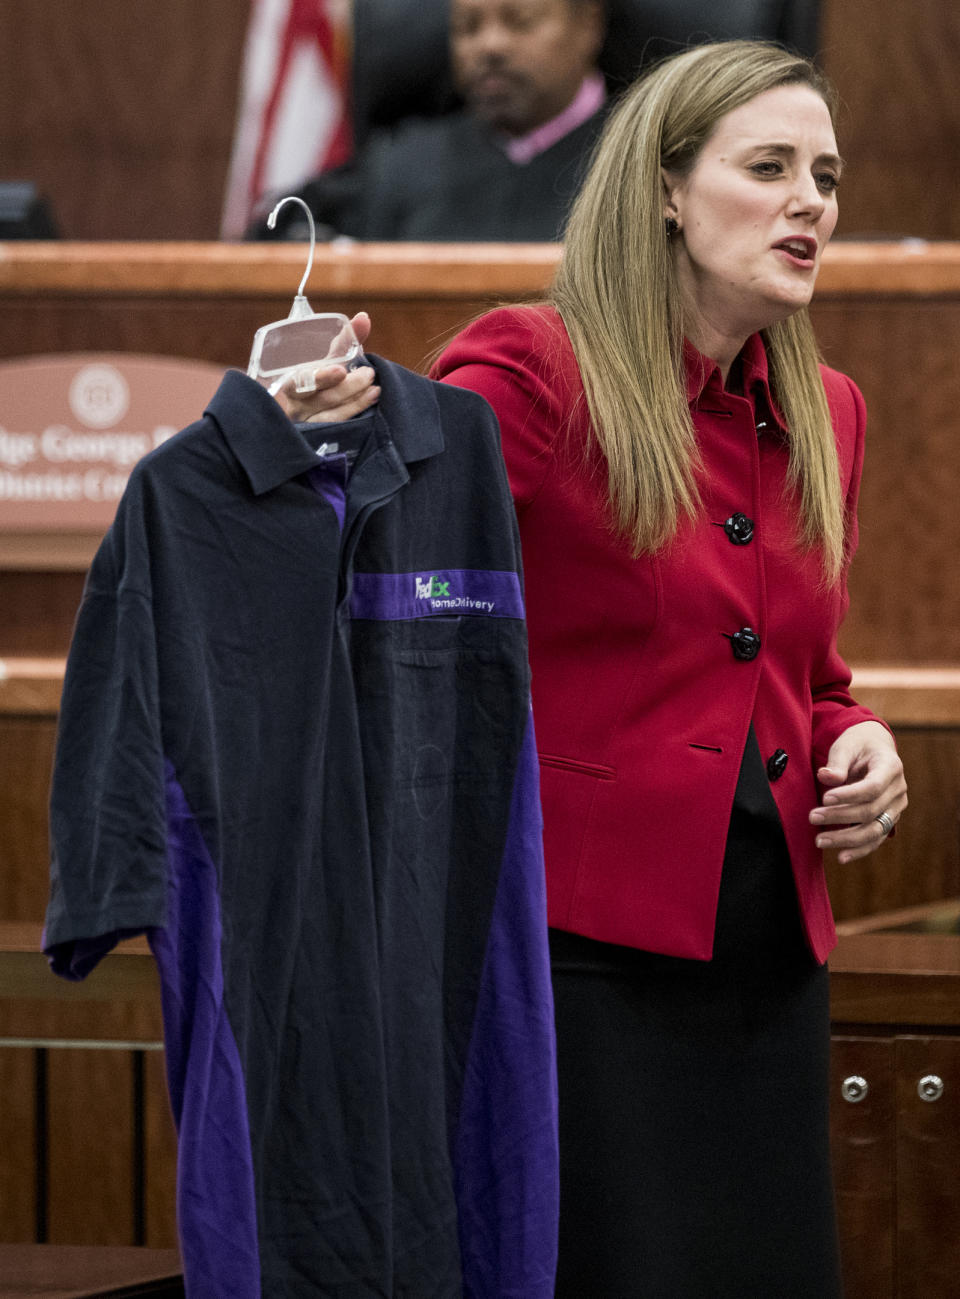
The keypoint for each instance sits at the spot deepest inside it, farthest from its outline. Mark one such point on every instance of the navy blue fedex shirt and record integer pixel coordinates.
(295, 749)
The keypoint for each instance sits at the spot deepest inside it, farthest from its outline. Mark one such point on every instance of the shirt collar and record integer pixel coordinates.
(702, 374)
(271, 450)
(521, 149)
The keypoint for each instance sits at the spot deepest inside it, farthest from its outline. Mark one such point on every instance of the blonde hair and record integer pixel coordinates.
(617, 293)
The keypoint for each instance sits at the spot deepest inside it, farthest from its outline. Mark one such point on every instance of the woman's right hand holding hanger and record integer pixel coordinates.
(339, 394)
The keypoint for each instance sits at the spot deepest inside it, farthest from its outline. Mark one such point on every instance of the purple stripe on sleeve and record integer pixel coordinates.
(216, 1208)
(446, 592)
(506, 1160)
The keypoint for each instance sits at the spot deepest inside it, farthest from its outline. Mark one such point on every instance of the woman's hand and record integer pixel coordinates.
(340, 393)
(863, 778)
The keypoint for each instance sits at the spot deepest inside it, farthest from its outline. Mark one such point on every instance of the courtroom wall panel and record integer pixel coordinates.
(26, 757)
(37, 615)
(18, 1164)
(895, 66)
(87, 1140)
(90, 1098)
(905, 596)
(122, 111)
(160, 1157)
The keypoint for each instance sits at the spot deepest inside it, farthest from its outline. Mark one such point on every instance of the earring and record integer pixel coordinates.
(672, 225)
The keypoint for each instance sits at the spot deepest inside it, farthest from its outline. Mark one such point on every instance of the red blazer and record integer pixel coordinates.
(640, 704)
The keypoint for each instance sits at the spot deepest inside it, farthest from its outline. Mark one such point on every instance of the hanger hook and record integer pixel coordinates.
(272, 221)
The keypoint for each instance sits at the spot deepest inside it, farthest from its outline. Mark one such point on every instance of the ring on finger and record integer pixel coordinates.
(886, 822)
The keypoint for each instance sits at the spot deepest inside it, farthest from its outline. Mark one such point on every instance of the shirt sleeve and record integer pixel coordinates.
(108, 875)
(834, 708)
(518, 359)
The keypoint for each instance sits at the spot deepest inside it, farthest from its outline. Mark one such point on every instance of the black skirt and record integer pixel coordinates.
(694, 1127)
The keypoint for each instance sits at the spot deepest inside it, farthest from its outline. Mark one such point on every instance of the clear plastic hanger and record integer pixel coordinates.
(307, 339)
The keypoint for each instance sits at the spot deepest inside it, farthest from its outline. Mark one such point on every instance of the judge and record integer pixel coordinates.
(504, 167)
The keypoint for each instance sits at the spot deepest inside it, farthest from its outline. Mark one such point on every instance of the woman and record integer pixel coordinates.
(685, 477)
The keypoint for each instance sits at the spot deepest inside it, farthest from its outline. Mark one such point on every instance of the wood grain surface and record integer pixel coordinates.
(928, 1155)
(864, 1162)
(895, 68)
(123, 111)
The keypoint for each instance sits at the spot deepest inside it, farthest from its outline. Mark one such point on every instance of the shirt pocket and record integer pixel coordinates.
(443, 704)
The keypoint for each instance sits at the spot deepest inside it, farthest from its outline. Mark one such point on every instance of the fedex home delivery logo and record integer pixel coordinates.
(431, 586)
(437, 591)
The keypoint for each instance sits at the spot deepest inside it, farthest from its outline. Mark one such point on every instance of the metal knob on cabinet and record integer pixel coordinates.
(854, 1088)
(930, 1087)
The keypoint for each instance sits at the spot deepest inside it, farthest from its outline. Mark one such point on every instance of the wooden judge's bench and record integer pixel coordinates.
(86, 1145)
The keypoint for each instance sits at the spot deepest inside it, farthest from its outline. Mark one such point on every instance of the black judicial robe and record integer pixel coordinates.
(446, 179)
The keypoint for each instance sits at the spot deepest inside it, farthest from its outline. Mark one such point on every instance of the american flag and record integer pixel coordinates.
(293, 118)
